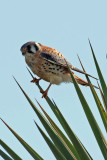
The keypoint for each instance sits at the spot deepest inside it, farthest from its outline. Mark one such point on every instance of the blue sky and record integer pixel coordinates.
(66, 26)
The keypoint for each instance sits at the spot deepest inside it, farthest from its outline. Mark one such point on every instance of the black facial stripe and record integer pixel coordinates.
(36, 47)
(29, 49)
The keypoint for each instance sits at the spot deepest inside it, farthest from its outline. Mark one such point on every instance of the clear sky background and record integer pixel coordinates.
(63, 25)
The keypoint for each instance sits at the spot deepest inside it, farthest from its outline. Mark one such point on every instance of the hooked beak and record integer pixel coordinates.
(23, 53)
(23, 50)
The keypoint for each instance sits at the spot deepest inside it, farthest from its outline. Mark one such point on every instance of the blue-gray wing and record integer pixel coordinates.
(56, 59)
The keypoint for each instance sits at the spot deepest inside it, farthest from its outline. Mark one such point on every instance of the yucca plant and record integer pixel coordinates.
(66, 147)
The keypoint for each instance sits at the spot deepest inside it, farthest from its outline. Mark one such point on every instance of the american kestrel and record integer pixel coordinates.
(49, 64)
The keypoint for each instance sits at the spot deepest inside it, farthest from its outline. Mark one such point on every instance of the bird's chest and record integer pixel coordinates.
(43, 68)
(33, 63)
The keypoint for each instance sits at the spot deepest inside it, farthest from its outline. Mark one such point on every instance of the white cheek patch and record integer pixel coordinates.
(33, 49)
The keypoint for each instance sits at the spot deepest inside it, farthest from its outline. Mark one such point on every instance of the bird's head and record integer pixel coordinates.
(30, 48)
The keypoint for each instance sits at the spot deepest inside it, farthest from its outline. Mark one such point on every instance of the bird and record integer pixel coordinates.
(50, 65)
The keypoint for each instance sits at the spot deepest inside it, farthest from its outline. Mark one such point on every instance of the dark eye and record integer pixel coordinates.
(29, 49)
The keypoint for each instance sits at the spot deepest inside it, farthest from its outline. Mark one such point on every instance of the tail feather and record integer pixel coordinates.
(83, 82)
(80, 71)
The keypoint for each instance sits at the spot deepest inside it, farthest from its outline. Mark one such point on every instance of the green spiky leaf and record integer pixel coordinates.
(93, 123)
(4, 155)
(32, 152)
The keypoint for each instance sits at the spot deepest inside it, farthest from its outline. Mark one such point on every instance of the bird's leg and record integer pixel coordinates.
(35, 80)
(45, 92)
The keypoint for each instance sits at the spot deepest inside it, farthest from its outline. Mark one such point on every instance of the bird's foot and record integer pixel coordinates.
(35, 80)
(44, 93)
